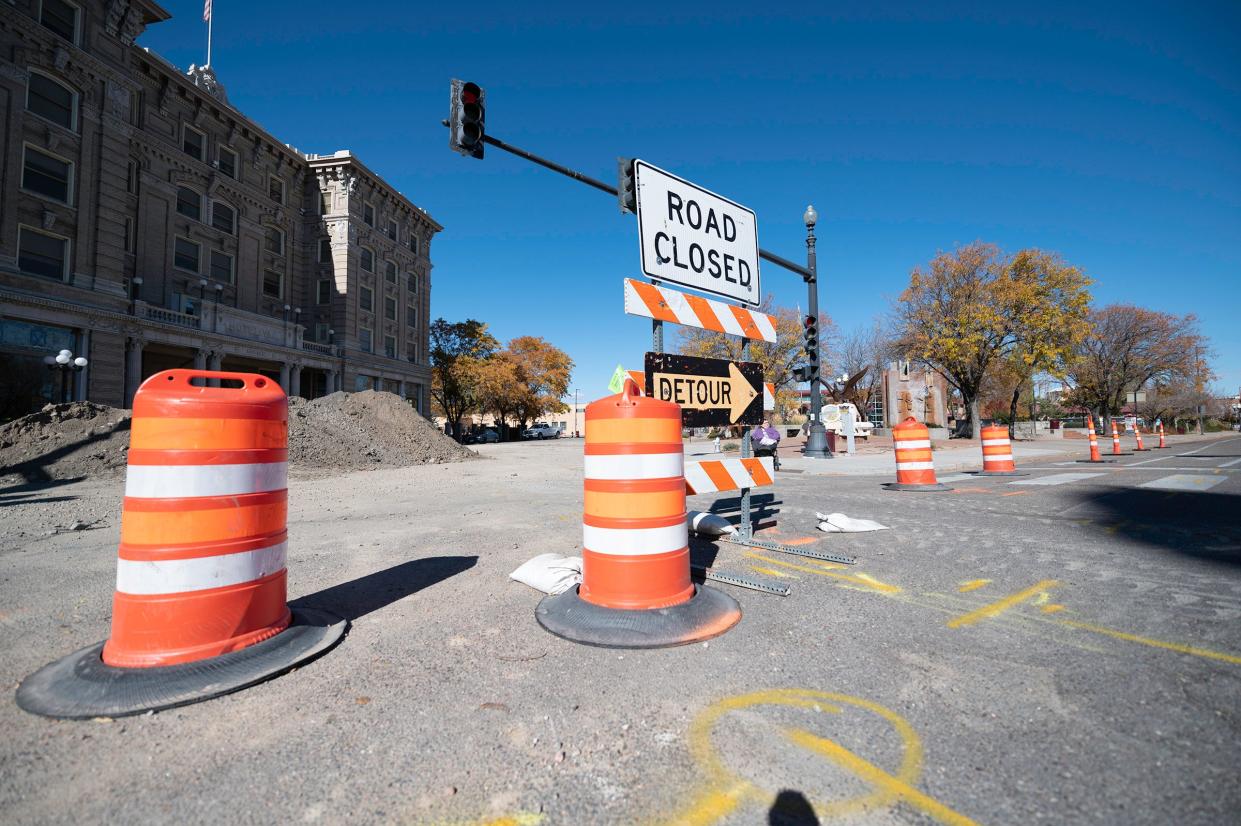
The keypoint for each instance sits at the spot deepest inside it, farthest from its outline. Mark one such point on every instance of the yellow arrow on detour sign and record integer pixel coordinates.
(732, 392)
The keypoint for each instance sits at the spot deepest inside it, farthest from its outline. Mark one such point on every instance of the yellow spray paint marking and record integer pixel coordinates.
(772, 572)
(973, 585)
(1171, 646)
(879, 778)
(998, 607)
(867, 582)
(1052, 608)
(1042, 599)
(725, 792)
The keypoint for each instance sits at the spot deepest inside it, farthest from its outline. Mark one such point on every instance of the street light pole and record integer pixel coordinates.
(816, 437)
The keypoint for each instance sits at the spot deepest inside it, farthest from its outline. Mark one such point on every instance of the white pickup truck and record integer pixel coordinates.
(832, 421)
(541, 431)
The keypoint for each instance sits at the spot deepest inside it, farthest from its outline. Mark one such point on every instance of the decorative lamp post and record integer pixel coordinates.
(67, 365)
(816, 438)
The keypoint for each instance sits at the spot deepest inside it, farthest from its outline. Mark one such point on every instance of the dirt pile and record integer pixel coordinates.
(65, 441)
(337, 433)
(356, 431)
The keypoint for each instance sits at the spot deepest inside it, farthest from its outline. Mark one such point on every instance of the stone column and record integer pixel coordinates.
(284, 376)
(133, 368)
(400, 390)
(295, 380)
(200, 359)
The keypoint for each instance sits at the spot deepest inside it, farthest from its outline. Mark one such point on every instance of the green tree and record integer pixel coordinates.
(457, 350)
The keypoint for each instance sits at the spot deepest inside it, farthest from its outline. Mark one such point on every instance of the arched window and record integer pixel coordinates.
(223, 217)
(390, 271)
(368, 260)
(52, 100)
(189, 203)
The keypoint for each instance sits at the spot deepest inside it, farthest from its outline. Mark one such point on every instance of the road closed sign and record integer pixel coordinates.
(695, 238)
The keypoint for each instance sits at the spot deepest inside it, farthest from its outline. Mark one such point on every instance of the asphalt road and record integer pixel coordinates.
(1061, 647)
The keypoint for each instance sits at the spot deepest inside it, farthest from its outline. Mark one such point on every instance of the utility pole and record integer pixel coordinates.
(1198, 383)
(816, 437)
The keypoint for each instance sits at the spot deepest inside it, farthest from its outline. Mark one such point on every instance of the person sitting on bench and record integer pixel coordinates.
(765, 440)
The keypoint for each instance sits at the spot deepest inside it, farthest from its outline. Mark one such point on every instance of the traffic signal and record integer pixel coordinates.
(467, 116)
(626, 188)
(803, 373)
(812, 339)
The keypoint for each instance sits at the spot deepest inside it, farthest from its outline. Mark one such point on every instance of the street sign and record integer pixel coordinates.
(711, 392)
(695, 238)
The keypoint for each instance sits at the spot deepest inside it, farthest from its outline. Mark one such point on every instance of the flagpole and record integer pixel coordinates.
(210, 20)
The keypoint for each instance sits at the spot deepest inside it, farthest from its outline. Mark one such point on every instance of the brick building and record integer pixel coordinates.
(147, 224)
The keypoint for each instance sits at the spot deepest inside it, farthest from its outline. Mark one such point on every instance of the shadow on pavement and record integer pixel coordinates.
(763, 508)
(1198, 524)
(791, 808)
(361, 596)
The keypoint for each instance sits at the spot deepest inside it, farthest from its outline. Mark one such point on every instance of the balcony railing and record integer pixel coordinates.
(172, 317)
(315, 347)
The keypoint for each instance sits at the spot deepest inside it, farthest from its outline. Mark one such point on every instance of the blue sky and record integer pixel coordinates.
(1110, 134)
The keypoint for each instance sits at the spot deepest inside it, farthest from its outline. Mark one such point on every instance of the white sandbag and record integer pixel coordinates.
(709, 524)
(839, 523)
(550, 573)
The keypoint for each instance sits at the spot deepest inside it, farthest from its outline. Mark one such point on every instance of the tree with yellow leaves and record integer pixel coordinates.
(974, 308)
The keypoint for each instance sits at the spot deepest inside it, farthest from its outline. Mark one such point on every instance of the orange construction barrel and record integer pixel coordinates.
(915, 470)
(200, 602)
(997, 453)
(636, 590)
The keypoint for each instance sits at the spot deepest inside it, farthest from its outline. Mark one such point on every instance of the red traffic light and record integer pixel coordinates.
(470, 93)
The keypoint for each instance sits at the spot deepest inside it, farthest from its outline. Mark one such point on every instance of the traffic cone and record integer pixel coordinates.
(1116, 441)
(1163, 444)
(915, 470)
(1137, 434)
(1095, 458)
(199, 608)
(997, 453)
(636, 590)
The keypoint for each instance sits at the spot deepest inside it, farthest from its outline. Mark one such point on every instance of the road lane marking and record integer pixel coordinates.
(1183, 481)
(772, 572)
(1057, 479)
(863, 580)
(973, 585)
(1051, 608)
(1171, 646)
(1231, 463)
(998, 607)
(878, 778)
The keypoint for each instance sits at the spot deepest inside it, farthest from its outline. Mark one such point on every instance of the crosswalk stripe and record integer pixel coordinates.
(1057, 479)
(1184, 481)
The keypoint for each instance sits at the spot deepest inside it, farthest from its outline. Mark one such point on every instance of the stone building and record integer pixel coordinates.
(146, 224)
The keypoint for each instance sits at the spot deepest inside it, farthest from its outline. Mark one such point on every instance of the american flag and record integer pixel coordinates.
(207, 11)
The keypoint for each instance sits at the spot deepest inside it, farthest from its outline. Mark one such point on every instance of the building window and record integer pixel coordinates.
(275, 188)
(361, 382)
(390, 272)
(223, 217)
(368, 214)
(411, 351)
(274, 241)
(368, 260)
(39, 253)
(52, 100)
(390, 309)
(321, 336)
(221, 266)
(411, 317)
(325, 250)
(413, 243)
(325, 202)
(189, 203)
(323, 293)
(366, 299)
(185, 255)
(364, 339)
(131, 178)
(193, 142)
(129, 235)
(413, 282)
(392, 230)
(273, 284)
(47, 175)
(390, 346)
(227, 162)
(61, 18)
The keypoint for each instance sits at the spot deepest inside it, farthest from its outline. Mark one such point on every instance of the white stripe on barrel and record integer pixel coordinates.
(634, 466)
(174, 576)
(181, 481)
(635, 541)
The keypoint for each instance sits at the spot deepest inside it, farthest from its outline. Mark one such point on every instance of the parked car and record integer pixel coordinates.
(541, 431)
(482, 437)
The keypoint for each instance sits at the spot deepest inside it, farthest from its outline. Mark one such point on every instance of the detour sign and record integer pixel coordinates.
(711, 392)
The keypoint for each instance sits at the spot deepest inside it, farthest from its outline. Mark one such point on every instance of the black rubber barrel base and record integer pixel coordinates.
(708, 613)
(997, 473)
(938, 486)
(1094, 462)
(1142, 450)
(80, 686)
(1119, 454)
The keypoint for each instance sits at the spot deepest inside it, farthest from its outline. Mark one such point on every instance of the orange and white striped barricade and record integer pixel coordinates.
(200, 603)
(915, 469)
(1163, 443)
(1116, 441)
(997, 453)
(1095, 457)
(1137, 435)
(636, 590)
